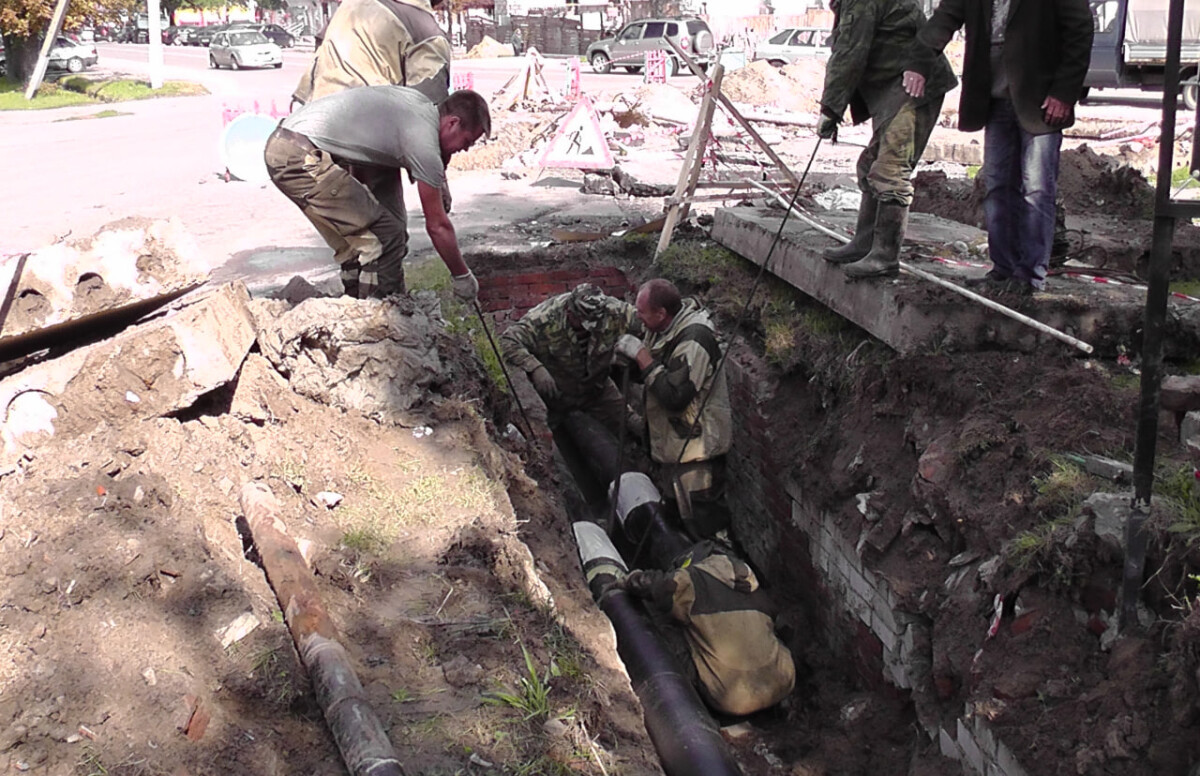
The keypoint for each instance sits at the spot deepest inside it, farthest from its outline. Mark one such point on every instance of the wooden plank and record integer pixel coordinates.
(39, 70)
(728, 105)
(693, 162)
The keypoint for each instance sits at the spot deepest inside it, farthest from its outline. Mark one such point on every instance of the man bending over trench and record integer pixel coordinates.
(311, 158)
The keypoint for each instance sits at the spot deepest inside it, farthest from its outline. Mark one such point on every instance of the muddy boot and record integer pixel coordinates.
(864, 234)
(884, 258)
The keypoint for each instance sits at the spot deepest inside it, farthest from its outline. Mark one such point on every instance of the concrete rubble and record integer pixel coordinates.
(152, 369)
(375, 357)
(125, 262)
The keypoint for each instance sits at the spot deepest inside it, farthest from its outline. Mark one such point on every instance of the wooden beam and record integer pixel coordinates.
(693, 162)
(728, 105)
(39, 70)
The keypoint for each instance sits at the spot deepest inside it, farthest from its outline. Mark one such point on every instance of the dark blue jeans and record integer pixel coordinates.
(1020, 172)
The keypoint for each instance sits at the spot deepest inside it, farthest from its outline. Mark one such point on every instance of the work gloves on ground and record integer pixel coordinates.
(827, 127)
(543, 381)
(466, 287)
(628, 346)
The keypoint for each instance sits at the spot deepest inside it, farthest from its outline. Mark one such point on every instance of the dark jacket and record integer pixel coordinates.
(1047, 47)
(869, 51)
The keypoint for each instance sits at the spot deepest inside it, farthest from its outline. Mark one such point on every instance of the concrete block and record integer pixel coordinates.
(1111, 511)
(906, 312)
(1189, 429)
(984, 737)
(648, 174)
(1117, 471)
(883, 615)
(1007, 762)
(149, 370)
(941, 150)
(126, 262)
(896, 670)
(972, 758)
(948, 746)
(860, 585)
(1180, 393)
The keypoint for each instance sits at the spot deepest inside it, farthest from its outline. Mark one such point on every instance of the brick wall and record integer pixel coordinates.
(810, 561)
(508, 297)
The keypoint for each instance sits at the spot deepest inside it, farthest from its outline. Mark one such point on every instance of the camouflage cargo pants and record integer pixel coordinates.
(369, 238)
(899, 134)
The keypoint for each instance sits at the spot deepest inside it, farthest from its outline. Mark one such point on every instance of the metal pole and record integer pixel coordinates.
(154, 38)
(500, 359)
(1156, 315)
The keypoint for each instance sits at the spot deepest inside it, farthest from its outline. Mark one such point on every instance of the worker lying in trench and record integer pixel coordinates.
(740, 665)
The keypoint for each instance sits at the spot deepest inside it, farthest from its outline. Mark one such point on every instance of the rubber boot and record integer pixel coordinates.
(864, 234)
(884, 258)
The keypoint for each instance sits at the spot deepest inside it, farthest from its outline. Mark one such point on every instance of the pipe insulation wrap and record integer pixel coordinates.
(636, 490)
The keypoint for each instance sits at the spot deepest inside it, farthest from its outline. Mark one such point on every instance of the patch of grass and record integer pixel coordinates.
(1174, 488)
(973, 171)
(1035, 548)
(126, 89)
(104, 114)
(272, 666)
(364, 538)
(566, 653)
(704, 264)
(91, 765)
(12, 97)
(532, 695)
(1186, 287)
(1063, 488)
(402, 695)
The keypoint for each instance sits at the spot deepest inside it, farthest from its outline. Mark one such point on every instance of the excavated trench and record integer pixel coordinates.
(940, 582)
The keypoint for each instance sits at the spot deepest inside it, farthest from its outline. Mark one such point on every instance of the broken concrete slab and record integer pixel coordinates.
(910, 314)
(378, 357)
(1180, 393)
(262, 395)
(648, 173)
(125, 262)
(152, 369)
(1111, 512)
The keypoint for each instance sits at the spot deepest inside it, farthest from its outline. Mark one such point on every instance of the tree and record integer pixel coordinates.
(25, 23)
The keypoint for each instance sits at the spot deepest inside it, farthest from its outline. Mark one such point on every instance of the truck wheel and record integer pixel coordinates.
(1190, 94)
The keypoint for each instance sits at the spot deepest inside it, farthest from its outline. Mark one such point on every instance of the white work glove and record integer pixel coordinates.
(466, 287)
(629, 346)
(543, 381)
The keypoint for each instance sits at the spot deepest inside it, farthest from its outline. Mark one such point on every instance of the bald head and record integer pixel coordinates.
(658, 302)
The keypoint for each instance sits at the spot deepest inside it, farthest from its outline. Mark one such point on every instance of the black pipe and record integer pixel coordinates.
(596, 443)
(685, 735)
(645, 523)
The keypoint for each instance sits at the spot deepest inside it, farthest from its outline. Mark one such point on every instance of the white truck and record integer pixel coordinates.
(1130, 47)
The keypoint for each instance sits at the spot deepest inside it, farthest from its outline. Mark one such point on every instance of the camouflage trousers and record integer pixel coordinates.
(702, 483)
(369, 236)
(899, 134)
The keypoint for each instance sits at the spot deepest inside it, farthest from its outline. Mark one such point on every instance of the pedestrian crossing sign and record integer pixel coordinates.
(579, 143)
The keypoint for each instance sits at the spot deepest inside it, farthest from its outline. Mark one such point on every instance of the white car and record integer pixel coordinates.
(786, 46)
(243, 48)
(71, 56)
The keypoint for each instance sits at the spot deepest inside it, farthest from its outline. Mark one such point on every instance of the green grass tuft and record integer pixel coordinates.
(125, 89)
(12, 97)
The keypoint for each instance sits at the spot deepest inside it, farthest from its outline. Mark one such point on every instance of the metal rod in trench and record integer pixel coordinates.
(754, 288)
(500, 359)
(974, 297)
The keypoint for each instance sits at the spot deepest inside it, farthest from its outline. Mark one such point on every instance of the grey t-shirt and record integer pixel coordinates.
(386, 126)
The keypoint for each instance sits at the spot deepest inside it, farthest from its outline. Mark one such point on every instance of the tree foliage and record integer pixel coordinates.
(25, 23)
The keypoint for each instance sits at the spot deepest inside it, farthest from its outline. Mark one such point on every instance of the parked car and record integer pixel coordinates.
(202, 36)
(71, 56)
(243, 48)
(629, 47)
(277, 35)
(3, 60)
(106, 32)
(786, 46)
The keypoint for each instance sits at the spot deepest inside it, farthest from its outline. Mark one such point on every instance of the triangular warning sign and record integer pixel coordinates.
(579, 143)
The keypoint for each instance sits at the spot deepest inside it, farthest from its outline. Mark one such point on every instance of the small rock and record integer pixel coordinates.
(150, 677)
(555, 728)
(1180, 393)
(226, 486)
(38, 631)
(237, 630)
(740, 730)
(132, 397)
(74, 738)
(598, 184)
(477, 760)
(328, 499)
(461, 672)
(138, 495)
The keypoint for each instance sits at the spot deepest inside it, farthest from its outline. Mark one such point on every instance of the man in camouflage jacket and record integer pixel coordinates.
(740, 664)
(870, 49)
(687, 403)
(375, 43)
(565, 345)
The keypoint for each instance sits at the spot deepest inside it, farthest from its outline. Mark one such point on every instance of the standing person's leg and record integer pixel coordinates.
(864, 231)
(385, 185)
(902, 140)
(1039, 185)
(1002, 181)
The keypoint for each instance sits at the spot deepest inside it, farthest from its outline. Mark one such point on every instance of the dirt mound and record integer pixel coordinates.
(489, 48)
(512, 134)
(1091, 183)
(807, 79)
(663, 102)
(758, 83)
